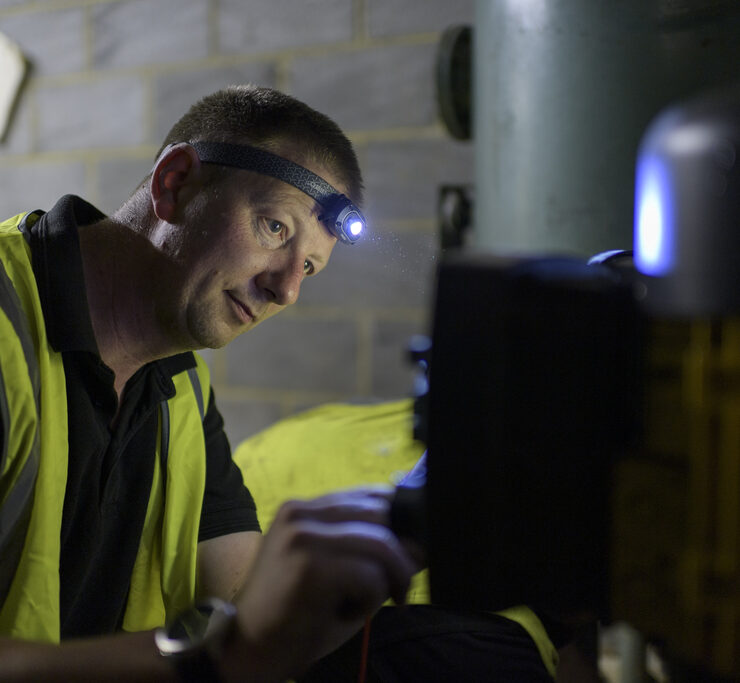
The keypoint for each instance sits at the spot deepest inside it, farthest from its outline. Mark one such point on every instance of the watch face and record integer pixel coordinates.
(192, 624)
(199, 625)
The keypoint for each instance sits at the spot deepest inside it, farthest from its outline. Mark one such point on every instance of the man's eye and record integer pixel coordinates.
(308, 267)
(275, 227)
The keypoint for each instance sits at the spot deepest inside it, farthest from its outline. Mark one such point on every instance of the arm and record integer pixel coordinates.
(322, 567)
(224, 563)
(229, 531)
(131, 657)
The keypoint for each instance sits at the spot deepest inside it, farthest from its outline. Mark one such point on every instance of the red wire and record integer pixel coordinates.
(364, 652)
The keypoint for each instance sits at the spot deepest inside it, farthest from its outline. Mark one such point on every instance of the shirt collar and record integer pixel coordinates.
(57, 265)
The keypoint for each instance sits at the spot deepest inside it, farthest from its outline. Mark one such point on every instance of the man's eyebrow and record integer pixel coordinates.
(317, 259)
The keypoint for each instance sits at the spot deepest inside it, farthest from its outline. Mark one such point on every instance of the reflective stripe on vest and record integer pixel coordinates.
(164, 416)
(163, 580)
(30, 607)
(18, 473)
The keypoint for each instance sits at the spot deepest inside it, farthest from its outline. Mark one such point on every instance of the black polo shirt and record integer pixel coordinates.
(111, 469)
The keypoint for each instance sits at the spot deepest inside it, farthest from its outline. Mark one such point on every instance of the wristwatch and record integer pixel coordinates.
(194, 640)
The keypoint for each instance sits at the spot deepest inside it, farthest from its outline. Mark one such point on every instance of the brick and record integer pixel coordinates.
(116, 179)
(392, 373)
(385, 18)
(249, 26)
(138, 32)
(370, 89)
(243, 419)
(295, 353)
(18, 137)
(402, 178)
(37, 185)
(98, 114)
(174, 93)
(53, 42)
(388, 270)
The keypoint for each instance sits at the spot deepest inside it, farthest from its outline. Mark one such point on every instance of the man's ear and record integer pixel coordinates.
(177, 170)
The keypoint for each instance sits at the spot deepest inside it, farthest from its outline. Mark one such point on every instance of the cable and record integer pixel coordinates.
(364, 651)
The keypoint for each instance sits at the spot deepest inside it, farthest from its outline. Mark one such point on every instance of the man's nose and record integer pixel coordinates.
(282, 282)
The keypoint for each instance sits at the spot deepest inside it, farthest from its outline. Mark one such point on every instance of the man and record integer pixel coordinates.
(120, 504)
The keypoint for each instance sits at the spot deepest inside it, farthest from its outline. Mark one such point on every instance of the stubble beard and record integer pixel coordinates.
(192, 326)
(206, 327)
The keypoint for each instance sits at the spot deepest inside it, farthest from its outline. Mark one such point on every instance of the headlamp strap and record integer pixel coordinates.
(250, 158)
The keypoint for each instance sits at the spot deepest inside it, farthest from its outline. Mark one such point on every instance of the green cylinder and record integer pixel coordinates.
(564, 90)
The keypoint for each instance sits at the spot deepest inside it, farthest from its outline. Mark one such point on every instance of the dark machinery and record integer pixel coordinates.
(583, 423)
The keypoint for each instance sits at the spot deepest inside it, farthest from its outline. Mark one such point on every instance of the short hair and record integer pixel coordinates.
(270, 119)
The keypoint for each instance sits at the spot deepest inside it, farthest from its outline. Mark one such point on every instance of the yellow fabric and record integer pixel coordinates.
(163, 579)
(339, 446)
(531, 623)
(31, 609)
(164, 571)
(186, 482)
(331, 447)
(20, 404)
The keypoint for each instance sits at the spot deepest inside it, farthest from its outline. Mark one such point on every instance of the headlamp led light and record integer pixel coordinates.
(341, 217)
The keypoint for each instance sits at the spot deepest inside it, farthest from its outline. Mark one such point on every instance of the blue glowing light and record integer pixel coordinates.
(355, 228)
(654, 220)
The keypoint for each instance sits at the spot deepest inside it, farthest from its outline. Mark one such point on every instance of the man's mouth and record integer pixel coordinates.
(243, 312)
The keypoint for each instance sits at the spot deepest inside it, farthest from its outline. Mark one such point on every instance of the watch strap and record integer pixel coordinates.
(195, 639)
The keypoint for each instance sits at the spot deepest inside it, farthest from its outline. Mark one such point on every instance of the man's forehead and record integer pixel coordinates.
(322, 170)
(267, 192)
(342, 217)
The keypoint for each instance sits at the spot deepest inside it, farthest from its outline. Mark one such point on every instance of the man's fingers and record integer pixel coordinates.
(370, 505)
(324, 565)
(360, 541)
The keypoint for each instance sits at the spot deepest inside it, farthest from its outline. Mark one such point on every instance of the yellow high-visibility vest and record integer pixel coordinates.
(33, 471)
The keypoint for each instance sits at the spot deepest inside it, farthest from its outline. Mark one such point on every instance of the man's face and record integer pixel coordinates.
(239, 257)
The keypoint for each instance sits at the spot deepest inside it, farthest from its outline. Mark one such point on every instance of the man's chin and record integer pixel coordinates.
(217, 339)
(203, 337)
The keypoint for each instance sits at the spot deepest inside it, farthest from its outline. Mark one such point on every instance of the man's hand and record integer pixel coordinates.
(323, 567)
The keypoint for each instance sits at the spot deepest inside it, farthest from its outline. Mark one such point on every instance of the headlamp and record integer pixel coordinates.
(340, 216)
